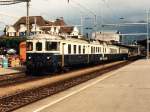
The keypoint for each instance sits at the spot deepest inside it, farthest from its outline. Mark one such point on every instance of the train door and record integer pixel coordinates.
(63, 56)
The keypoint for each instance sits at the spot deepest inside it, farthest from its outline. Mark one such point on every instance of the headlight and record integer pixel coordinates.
(29, 57)
(48, 58)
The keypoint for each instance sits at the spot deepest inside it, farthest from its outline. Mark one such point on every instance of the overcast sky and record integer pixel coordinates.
(111, 10)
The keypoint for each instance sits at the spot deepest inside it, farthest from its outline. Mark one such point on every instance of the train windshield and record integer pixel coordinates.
(29, 46)
(39, 46)
(52, 46)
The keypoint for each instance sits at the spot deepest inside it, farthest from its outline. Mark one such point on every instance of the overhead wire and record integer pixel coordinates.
(112, 12)
(90, 12)
(80, 10)
(85, 8)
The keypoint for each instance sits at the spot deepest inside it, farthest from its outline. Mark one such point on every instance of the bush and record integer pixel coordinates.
(10, 43)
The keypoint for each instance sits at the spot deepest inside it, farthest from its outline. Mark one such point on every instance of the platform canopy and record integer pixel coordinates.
(9, 2)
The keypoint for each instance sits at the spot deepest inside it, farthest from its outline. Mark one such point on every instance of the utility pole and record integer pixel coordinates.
(89, 10)
(147, 34)
(95, 24)
(27, 18)
(81, 25)
(35, 25)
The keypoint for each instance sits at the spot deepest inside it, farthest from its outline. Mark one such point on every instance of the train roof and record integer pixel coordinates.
(57, 37)
(126, 46)
(69, 38)
(45, 36)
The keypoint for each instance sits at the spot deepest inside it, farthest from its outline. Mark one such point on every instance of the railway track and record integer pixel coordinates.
(19, 78)
(10, 76)
(24, 97)
(16, 80)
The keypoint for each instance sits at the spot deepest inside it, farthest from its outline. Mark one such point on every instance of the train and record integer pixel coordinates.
(48, 53)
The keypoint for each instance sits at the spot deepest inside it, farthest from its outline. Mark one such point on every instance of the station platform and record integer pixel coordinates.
(124, 90)
(11, 70)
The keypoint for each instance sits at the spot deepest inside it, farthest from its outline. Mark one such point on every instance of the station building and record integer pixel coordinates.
(39, 25)
(107, 36)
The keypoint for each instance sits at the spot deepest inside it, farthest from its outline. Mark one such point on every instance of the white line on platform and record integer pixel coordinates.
(75, 92)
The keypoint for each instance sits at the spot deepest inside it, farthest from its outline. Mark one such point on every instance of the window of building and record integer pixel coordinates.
(69, 48)
(75, 49)
(29, 46)
(52, 46)
(79, 49)
(39, 46)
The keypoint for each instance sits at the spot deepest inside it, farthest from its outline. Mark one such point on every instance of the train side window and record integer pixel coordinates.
(83, 49)
(75, 49)
(52, 46)
(69, 48)
(39, 46)
(98, 49)
(113, 51)
(29, 46)
(79, 49)
(103, 50)
(94, 50)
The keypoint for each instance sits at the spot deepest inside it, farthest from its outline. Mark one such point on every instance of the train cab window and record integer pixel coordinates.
(29, 46)
(75, 49)
(39, 46)
(79, 49)
(52, 46)
(69, 48)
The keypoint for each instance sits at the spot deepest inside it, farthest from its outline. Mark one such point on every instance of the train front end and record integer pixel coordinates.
(42, 56)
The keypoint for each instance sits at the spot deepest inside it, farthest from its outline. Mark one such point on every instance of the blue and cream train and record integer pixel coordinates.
(50, 53)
